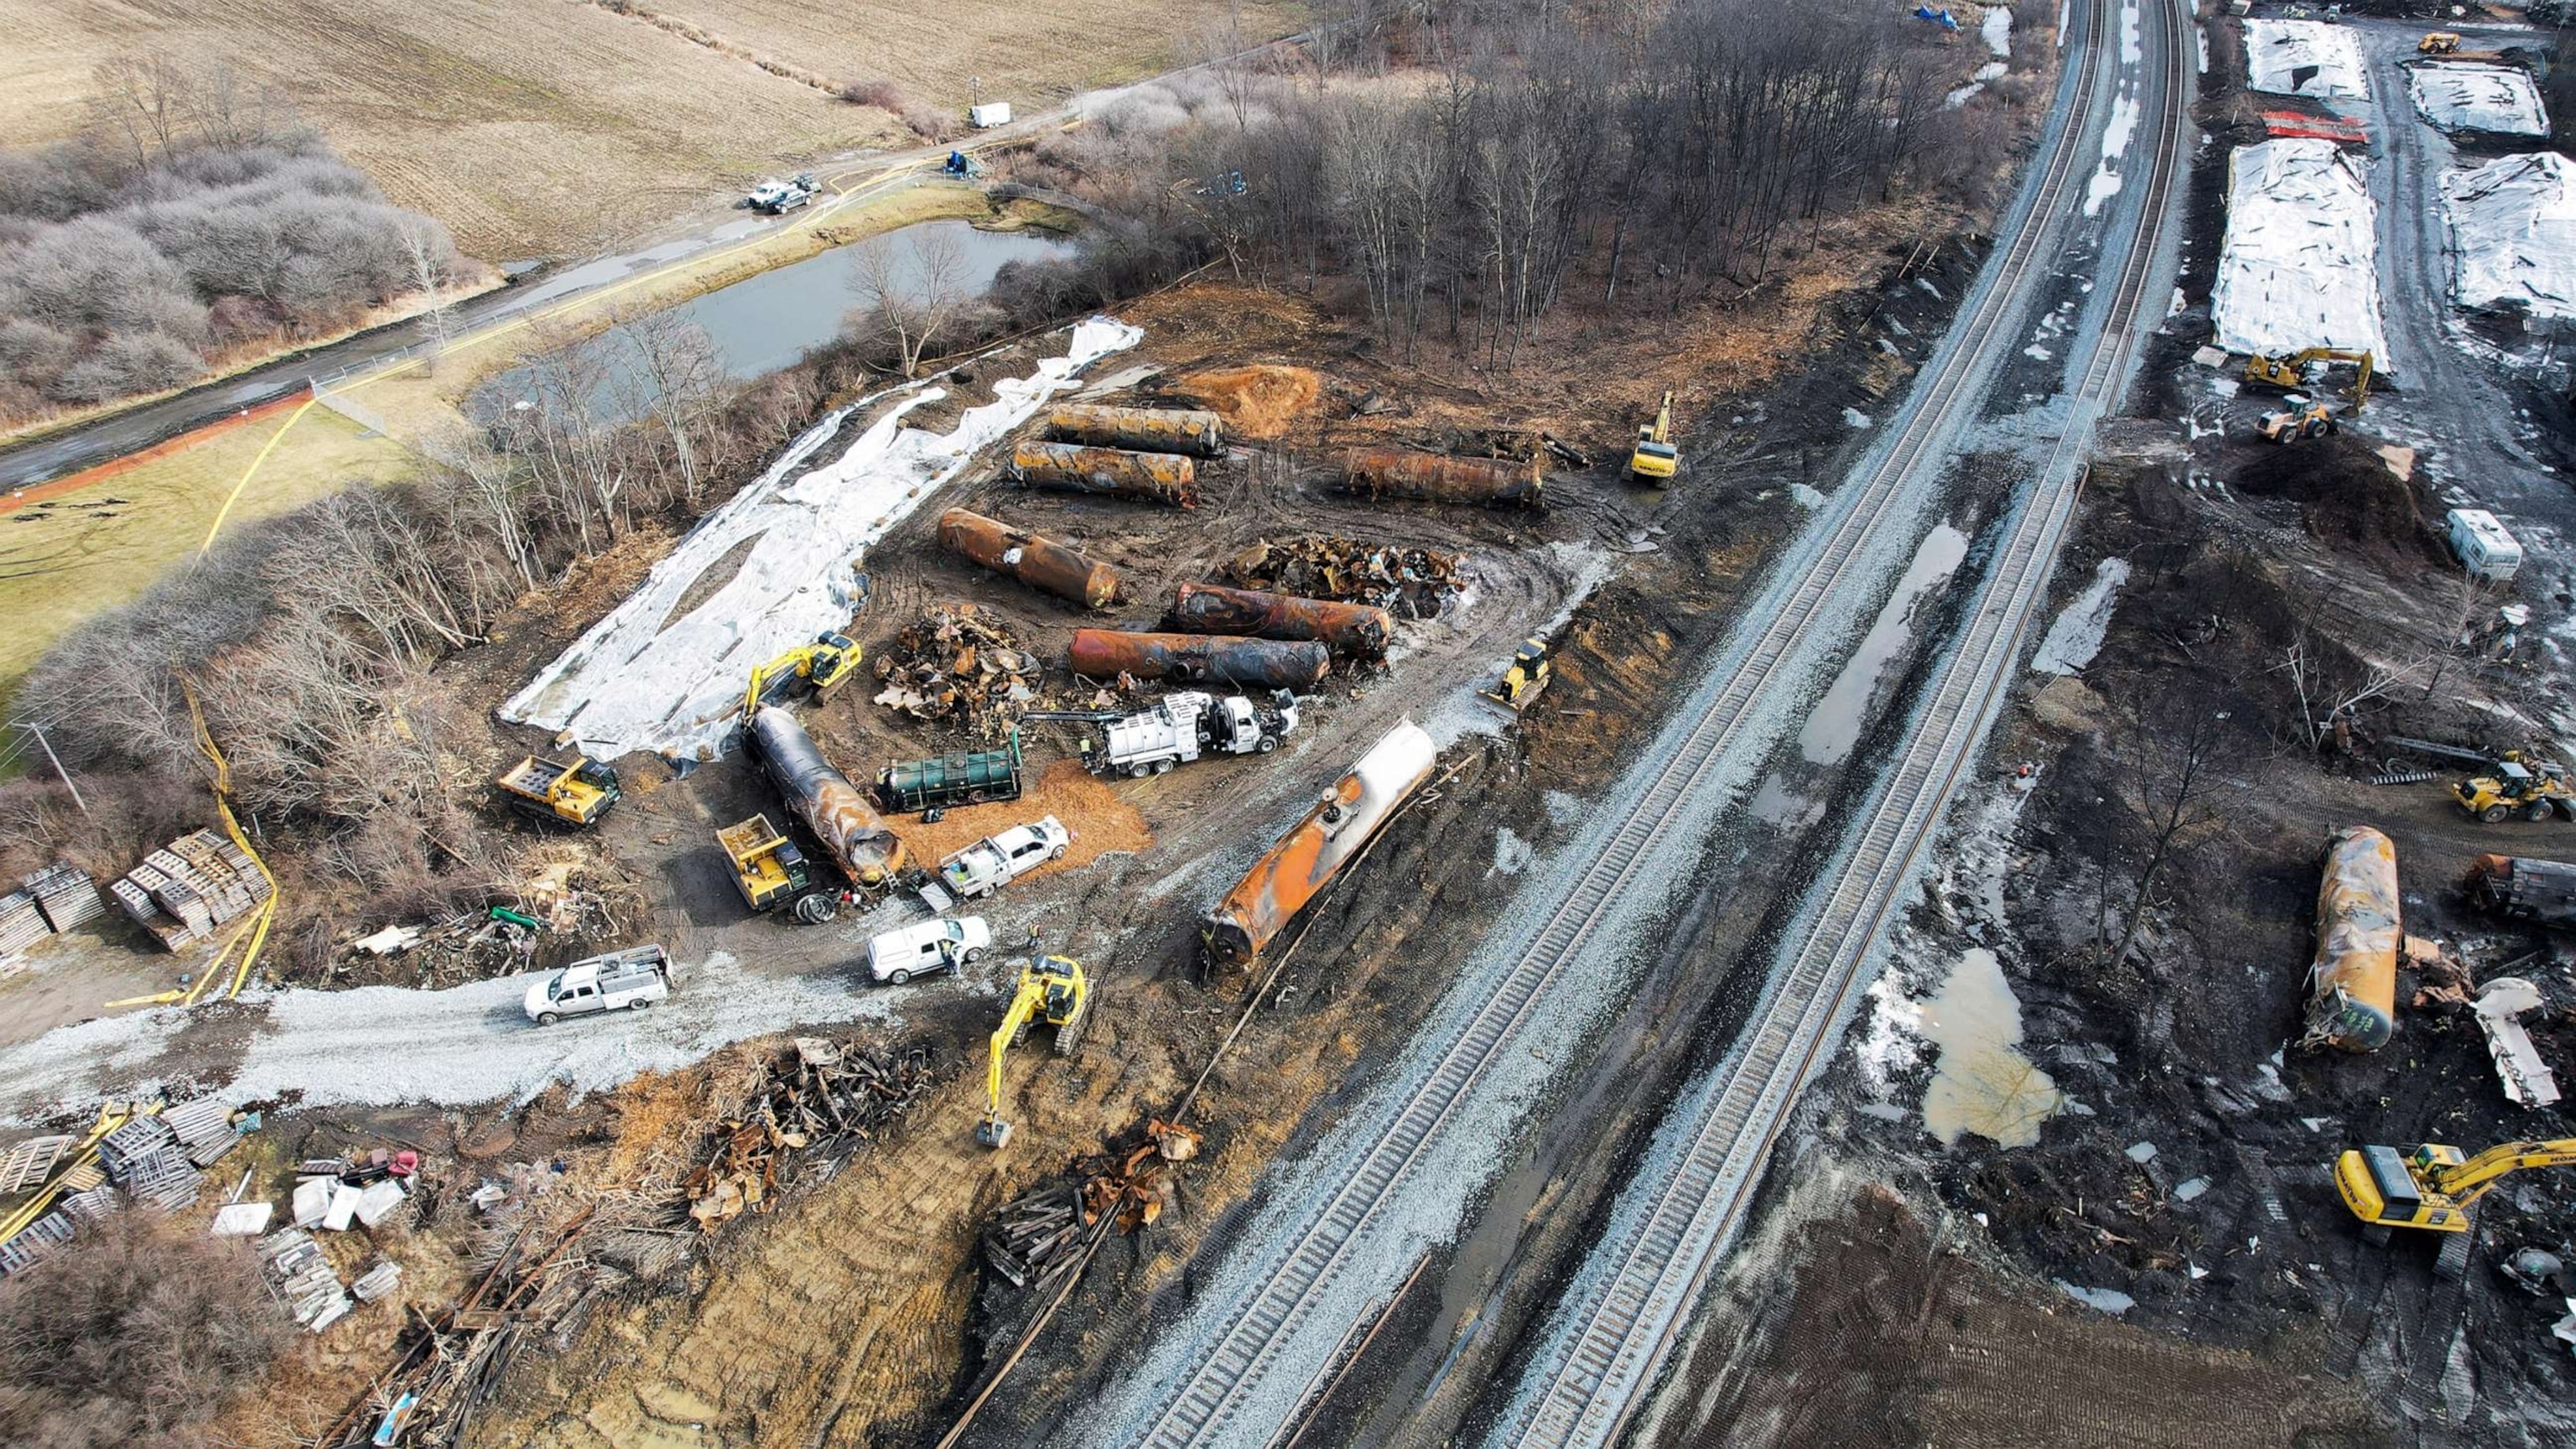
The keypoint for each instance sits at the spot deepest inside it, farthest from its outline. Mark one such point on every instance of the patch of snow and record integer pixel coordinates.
(2189, 1189)
(2109, 1300)
(2133, 45)
(1890, 1040)
(1996, 30)
(1960, 97)
(2498, 98)
(2200, 38)
(2300, 266)
(642, 680)
(2075, 635)
(1991, 70)
(2122, 125)
(1806, 497)
(2513, 233)
(1855, 418)
(2037, 353)
(1512, 854)
(1562, 809)
(2305, 58)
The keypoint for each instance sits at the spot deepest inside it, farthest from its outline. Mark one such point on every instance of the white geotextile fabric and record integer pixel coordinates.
(2300, 265)
(641, 680)
(2513, 233)
(2276, 48)
(2499, 98)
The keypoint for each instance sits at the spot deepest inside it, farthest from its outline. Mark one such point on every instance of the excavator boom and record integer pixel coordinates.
(2470, 1180)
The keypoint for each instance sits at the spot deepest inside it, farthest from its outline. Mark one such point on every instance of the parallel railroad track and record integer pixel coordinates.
(1663, 1244)
(1203, 1406)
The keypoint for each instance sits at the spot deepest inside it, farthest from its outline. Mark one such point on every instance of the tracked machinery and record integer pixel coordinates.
(2289, 371)
(2434, 1186)
(1525, 678)
(818, 669)
(1655, 458)
(1052, 992)
(573, 792)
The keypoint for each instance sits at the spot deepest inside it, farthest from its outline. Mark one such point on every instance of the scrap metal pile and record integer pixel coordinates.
(958, 665)
(1411, 583)
(811, 1098)
(1044, 1232)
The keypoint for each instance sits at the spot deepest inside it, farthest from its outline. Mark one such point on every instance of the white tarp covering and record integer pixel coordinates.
(2498, 98)
(2277, 52)
(2513, 233)
(2300, 264)
(642, 680)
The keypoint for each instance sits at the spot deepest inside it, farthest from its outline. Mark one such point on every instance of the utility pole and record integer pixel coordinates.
(47, 746)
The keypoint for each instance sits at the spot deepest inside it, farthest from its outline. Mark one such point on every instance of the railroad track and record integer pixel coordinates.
(1204, 1405)
(1624, 1316)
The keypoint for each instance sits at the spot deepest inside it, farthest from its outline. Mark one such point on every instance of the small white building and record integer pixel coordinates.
(988, 115)
(2486, 550)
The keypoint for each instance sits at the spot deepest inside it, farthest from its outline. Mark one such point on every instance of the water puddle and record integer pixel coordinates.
(763, 323)
(1981, 1082)
(1833, 727)
(1776, 803)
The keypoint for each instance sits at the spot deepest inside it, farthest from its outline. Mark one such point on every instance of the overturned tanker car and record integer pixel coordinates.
(1315, 849)
(853, 836)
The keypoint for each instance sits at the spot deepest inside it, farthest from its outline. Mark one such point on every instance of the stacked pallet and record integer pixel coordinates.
(25, 1165)
(66, 895)
(182, 893)
(204, 1128)
(303, 1278)
(34, 1243)
(22, 922)
(94, 1206)
(146, 1159)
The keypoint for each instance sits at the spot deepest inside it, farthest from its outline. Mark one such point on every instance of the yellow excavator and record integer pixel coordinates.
(1052, 990)
(1655, 458)
(2433, 1186)
(820, 668)
(2289, 372)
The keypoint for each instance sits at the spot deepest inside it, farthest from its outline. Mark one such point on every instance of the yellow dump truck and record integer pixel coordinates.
(768, 869)
(570, 792)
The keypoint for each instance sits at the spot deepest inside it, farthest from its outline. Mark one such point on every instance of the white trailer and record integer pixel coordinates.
(2485, 548)
(1180, 728)
(988, 115)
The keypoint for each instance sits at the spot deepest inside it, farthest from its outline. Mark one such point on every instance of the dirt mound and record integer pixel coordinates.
(2345, 490)
(1258, 400)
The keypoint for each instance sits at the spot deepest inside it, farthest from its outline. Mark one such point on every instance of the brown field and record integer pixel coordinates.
(536, 127)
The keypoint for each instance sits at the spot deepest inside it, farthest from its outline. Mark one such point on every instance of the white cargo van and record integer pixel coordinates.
(2486, 550)
(619, 981)
(899, 955)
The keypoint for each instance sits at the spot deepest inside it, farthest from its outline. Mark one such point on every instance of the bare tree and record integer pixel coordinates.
(429, 258)
(911, 298)
(674, 382)
(145, 99)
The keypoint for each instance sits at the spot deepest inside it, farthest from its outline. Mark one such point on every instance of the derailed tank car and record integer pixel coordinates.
(1315, 849)
(2352, 984)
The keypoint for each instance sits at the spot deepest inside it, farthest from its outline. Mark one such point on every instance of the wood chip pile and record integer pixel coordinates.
(1411, 583)
(958, 665)
(182, 893)
(815, 1097)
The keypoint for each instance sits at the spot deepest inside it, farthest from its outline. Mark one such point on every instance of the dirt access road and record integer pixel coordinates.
(1346, 1226)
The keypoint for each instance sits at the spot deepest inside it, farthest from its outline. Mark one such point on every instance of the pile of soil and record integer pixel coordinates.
(2346, 492)
(1257, 401)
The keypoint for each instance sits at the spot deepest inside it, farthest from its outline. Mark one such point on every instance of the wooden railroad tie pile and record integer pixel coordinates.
(813, 1097)
(1038, 1235)
(182, 893)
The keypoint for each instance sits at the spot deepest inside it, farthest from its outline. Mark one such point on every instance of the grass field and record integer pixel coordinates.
(551, 127)
(66, 559)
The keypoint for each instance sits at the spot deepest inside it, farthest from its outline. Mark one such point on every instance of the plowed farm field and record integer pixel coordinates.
(549, 127)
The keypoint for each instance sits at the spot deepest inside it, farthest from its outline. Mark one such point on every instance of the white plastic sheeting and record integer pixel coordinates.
(2513, 233)
(642, 680)
(2499, 98)
(2278, 51)
(2300, 265)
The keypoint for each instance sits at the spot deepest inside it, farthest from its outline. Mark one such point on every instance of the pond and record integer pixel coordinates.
(764, 323)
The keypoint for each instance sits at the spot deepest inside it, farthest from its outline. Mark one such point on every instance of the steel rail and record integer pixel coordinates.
(1199, 1408)
(1662, 1251)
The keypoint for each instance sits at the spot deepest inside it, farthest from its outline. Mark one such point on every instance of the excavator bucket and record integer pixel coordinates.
(993, 1132)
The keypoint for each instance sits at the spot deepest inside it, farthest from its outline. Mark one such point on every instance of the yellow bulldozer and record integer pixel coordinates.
(2433, 1186)
(1052, 991)
(819, 669)
(2289, 372)
(566, 792)
(1655, 458)
(1525, 677)
(2439, 42)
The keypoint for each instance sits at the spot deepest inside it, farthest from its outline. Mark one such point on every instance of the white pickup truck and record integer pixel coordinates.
(774, 198)
(994, 862)
(619, 981)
